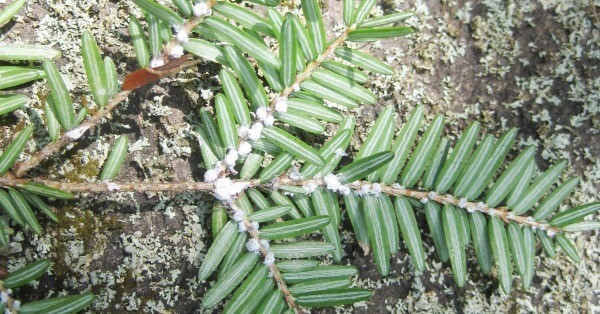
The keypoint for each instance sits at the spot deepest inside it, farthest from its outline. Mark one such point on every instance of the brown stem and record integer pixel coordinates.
(100, 187)
(281, 285)
(300, 77)
(22, 168)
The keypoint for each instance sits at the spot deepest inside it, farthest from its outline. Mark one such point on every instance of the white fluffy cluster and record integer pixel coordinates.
(255, 131)
(462, 203)
(182, 36)
(376, 189)
(157, 62)
(397, 186)
(253, 246)
(231, 157)
(543, 227)
(368, 189)
(245, 148)
(201, 9)
(281, 105)
(211, 175)
(333, 183)
(176, 51)
(425, 200)
(269, 259)
(295, 175)
(364, 190)
(5, 297)
(340, 152)
(264, 115)
(112, 187)
(244, 133)
(238, 215)
(77, 132)
(551, 233)
(265, 244)
(310, 187)
(225, 189)
(432, 195)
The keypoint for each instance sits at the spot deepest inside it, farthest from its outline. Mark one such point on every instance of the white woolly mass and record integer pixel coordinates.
(471, 209)
(551, 233)
(242, 226)
(201, 9)
(424, 200)
(310, 187)
(296, 87)
(270, 120)
(211, 175)
(281, 105)
(77, 132)
(364, 190)
(543, 227)
(112, 187)
(157, 62)
(253, 245)
(462, 203)
(295, 175)
(432, 195)
(176, 52)
(255, 225)
(3, 297)
(16, 304)
(340, 152)
(530, 218)
(332, 182)
(245, 148)
(491, 212)
(397, 186)
(225, 189)
(182, 36)
(231, 157)
(255, 131)
(269, 259)
(376, 189)
(344, 190)
(480, 205)
(238, 215)
(262, 113)
(243, 131)
(265, 244)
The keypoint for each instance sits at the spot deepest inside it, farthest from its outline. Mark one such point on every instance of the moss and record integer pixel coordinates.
(75, 225)
(84, 167)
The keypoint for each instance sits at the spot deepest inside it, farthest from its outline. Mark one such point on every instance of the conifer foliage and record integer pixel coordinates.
(282, 77)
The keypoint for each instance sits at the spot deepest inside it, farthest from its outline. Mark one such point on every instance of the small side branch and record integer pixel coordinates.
(300, 77)
(68, 137)
(281, 285)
